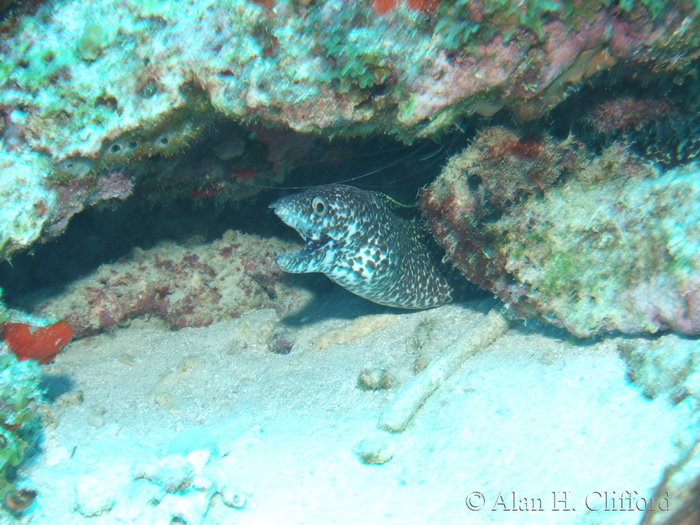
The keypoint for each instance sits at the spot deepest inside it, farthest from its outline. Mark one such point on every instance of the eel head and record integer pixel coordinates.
(326, 217)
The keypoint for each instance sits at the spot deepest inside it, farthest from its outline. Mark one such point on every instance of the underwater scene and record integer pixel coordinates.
(377, 261)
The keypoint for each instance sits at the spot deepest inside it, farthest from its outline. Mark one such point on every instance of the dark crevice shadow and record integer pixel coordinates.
(332, 302)
(55, 385)
(338, 303)
(103, 235)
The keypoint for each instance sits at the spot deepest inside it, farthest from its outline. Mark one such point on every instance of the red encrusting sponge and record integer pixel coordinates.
(382, 7)
(42, 343)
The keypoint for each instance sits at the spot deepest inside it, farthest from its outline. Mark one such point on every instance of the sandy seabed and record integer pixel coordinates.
(535, 420)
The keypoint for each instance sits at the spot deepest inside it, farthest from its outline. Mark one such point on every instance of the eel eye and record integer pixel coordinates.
(320, 206)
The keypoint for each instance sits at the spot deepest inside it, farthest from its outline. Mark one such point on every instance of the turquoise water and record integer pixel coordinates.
(158, 366)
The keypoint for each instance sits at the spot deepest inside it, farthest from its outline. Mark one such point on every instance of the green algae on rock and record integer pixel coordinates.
(614, 248)
(620, 255)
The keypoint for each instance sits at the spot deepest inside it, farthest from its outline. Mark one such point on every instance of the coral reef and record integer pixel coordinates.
(499, 169)
(20, 399)
(90, 94)
(230, 164)
(184, 286)
(613, 248)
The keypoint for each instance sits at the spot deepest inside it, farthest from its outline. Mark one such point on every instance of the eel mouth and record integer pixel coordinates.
(313, 237)
(314, 242)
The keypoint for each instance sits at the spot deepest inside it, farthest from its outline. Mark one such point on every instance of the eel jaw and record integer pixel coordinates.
(314, 243)
(310, 258)
(317, 242)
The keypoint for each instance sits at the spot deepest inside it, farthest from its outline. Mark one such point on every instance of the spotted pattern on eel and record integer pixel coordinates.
(355, 238)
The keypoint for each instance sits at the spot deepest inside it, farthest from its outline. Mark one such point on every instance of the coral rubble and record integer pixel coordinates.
(614, 247)
(184, 486)
(90, 93)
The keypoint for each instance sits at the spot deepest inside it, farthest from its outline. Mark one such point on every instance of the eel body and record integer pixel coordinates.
(355, 238)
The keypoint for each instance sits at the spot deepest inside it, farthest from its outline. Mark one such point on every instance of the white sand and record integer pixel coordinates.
(531, 414)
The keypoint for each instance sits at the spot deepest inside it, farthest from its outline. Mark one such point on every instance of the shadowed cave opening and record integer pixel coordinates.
(110, 230)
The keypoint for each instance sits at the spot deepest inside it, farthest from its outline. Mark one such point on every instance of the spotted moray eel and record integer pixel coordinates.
(355, 238)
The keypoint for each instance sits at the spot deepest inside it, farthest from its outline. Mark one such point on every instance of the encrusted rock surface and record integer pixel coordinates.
(93, 96)
(591, 244)
(185, 286)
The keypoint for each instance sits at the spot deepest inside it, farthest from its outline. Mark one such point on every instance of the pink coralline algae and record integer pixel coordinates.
(184, 287)
(624, 113)
(656, 127)
(612, 246)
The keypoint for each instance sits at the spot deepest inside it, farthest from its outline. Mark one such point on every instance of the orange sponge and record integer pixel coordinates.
(42, 343)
